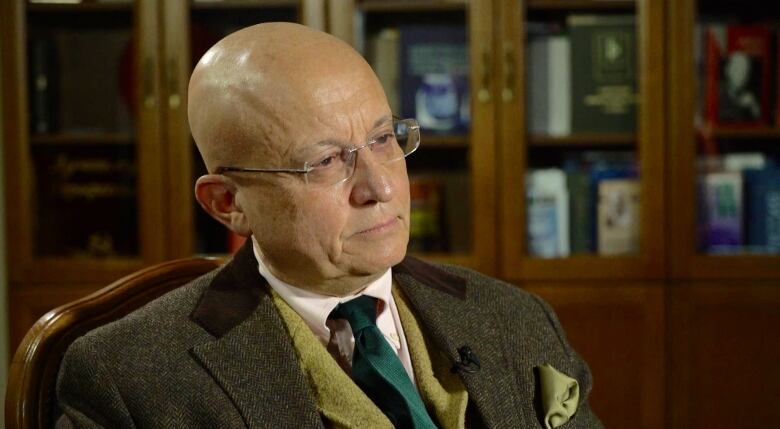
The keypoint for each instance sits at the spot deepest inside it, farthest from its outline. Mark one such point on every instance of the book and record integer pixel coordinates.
(762, 210)
(384, 57)
(581, 210)
(43, 81)
(86, 201)
(89, 80)
(618, 216)
(549, 81)
(548, 213)
(744, 161)
(720, 212)
(737, 75)
(434, 77)
(604, 84)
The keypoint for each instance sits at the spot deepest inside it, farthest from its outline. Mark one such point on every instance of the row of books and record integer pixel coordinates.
(424, 70)
(739, 204)
(81, 80)
(591, 205)
(582, 75)
(739, 65)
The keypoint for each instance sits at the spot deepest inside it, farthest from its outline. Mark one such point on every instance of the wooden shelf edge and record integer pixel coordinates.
(586, 267)
(568, 5)
(412, 6)
(78, 7)
(750, 133)
(241, 4)
(82, 139)
(445, 140)
(627, 140)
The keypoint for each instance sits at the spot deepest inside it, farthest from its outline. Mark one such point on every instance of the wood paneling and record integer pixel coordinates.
(724, 355)
(618, 329)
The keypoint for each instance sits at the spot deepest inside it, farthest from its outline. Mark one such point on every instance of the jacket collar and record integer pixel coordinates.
(237, 289)
(254, 361)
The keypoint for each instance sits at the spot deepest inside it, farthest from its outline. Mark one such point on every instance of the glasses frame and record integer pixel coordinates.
(351, 150)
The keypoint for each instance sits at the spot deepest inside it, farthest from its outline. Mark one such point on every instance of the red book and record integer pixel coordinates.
(737, 76)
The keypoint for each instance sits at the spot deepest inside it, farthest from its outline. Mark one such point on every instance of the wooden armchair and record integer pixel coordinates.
(30, 400)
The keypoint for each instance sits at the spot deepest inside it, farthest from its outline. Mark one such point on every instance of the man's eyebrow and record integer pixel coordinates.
(333, 142)
(383, 120)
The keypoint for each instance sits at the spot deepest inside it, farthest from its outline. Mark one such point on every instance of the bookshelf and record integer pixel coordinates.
(652, 324)
(715, 302)
(521, 146)
(452, 174)
(693, 134)
(100, 176)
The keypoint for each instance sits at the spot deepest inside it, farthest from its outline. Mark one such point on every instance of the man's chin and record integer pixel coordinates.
(377, 259)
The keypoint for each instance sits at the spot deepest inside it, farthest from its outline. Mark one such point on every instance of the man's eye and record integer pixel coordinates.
(327, 160)
(384, 139)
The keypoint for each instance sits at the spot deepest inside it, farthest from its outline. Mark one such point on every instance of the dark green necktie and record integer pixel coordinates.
(377, 370)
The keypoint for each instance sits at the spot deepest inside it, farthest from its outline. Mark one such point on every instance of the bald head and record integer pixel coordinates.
(256, 85)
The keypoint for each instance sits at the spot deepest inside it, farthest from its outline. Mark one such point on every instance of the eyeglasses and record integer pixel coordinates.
(391, 142)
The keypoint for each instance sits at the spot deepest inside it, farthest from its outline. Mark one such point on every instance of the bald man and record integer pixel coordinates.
(320, 320)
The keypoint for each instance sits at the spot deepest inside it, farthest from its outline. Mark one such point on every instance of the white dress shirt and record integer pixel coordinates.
(314, 309)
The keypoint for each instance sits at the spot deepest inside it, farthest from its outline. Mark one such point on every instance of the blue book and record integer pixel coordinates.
(434, 77)
(762, 210)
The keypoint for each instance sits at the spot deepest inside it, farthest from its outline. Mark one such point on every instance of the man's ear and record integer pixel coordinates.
(217, 195)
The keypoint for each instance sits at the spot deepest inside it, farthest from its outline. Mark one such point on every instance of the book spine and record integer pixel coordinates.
(42, 92)
(722, 212)
(548, 214)
(618, 217)
(559, 86)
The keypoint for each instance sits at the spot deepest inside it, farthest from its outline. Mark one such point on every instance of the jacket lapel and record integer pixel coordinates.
(452, 321)
(253, 359)
(251, 356)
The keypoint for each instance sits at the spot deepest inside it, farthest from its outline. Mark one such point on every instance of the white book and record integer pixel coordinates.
(618, 217)
(559, 85)
(744, 161)
(547, 213)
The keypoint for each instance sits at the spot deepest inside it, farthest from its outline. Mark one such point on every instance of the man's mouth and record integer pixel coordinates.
(380, 227)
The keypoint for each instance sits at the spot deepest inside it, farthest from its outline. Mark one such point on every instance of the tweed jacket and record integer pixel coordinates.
(215, 353)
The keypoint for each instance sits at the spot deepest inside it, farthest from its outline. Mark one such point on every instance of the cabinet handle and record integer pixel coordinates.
(508, 93)
(148, 84)
(174, 99)
(483, 95)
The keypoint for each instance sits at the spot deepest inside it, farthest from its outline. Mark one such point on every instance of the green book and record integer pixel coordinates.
(604, 77)
(580, 219)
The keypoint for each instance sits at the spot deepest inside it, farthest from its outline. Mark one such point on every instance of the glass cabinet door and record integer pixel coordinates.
(727, 162)
(434, 60)
(582, 145)
(195, 26)
(84, 135)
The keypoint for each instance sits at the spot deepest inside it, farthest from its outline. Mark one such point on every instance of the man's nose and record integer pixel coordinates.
(371, 180)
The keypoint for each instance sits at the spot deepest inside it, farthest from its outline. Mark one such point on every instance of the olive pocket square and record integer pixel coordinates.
(560, 395)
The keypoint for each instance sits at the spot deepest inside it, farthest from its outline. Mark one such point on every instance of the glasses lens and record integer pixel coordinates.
(330, 166)
(407, 132)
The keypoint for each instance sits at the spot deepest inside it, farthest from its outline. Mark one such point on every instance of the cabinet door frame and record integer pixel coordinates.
(24, 266)
(685, 259)
(650, 147)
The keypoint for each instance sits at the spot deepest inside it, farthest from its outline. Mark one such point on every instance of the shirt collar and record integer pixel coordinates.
(313, 307)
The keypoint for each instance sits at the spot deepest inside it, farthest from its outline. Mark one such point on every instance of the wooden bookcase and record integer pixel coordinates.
(651, 324)
(144, 52)
(721, 308)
